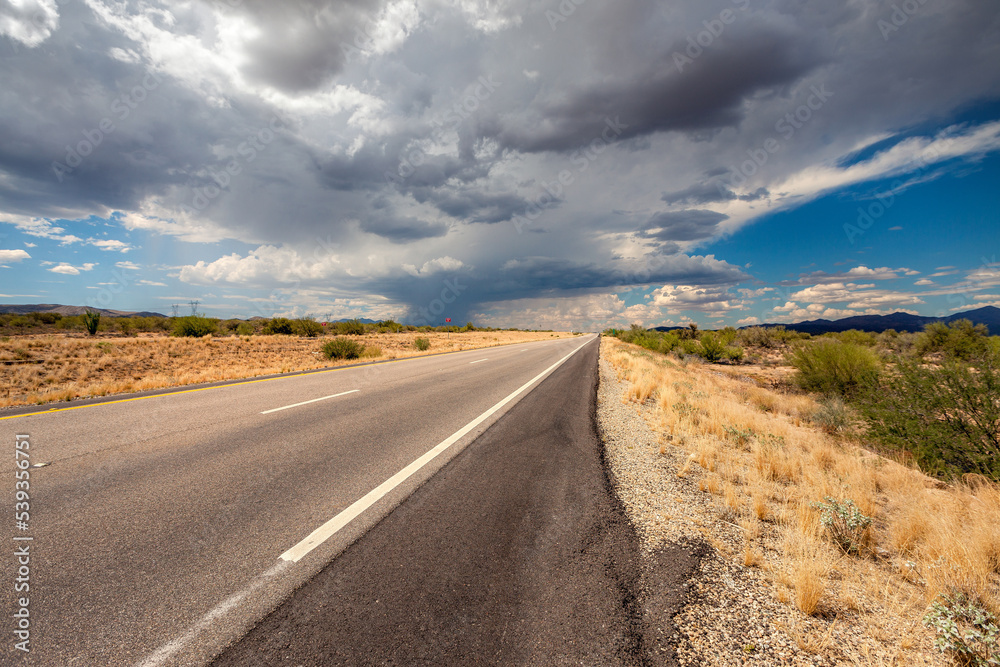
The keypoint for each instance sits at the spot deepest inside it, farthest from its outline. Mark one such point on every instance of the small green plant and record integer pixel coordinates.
(350, 328)
(194, 326)
(965, 631)
(91, 320)
(307, 327)
(741, 436)
(126, 325)
(834, 368)
(278, 326)
(833, 415)
(244, 329)
(422, 344)
(712, 347)
(342, 348)
(845, 523)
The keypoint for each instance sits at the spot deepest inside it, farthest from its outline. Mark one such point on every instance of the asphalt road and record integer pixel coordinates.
(516, 553)
(164, 528)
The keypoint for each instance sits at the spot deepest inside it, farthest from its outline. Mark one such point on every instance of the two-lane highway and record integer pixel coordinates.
(164, 527)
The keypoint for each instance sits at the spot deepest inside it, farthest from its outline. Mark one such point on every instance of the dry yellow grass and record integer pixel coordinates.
(64, 367)
(926, 538)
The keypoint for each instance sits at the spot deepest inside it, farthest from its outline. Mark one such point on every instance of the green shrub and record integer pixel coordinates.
(833, 415)
(712, 348)
(966, 632)
(389, 326)
(350, 328)
(956, 340)
(855, 337)
(194, 326)
(734, 354)
(91, 320)
(230, 325)
(947, 416)
(307, 327)
(834, 368)
(342, 348)
(126, 325)
(278, 326)
(245, 329)
(727, 336)
(469, 326)
(422, 344)
(846, 525)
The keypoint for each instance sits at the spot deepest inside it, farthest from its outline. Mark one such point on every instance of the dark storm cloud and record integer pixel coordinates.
(707, 94)
(688, 225)
(474, 205)
(709, 192)
(402, 230)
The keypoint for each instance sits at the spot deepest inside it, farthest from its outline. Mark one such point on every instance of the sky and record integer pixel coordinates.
(563, 164)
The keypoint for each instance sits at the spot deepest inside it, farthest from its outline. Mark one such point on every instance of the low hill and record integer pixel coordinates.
(988, 315)
(24, 309)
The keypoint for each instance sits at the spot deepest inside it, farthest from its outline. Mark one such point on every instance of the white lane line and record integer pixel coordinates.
(478, 362)
(295, 405)
(165, 652)
(328, 529)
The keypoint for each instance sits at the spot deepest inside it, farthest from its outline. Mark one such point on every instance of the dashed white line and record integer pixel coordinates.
(323, 398)
(478, 362)
(328, 529)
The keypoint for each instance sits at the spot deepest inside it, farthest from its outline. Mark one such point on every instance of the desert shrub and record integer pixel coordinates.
(712, 347)
(245, 329)
(846, 525)
(422, 344)
(307, 327)
(91, 320)
(70, 322)
(856, 337)
(727, 336)
(834, 368)
(126, 325)
(389, 326)
(350, 328)
(733, 353)
(469, 326)
(766, 337)
(833, 414)
(690, 346)
(966, 632)
(371, 352)
(46, 318)
(947, 416)
(342, 348)
(957, 340)
(278, 326)
(194, 326)
(230, 325)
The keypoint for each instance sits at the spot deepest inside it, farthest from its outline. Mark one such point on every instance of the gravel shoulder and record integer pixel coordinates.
(726, 613)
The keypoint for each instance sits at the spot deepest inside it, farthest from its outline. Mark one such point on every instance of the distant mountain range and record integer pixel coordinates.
(70, 310)
(988, 315)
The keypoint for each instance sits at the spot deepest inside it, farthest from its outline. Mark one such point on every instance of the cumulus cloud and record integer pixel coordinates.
(13, 255)
(30, 22)
(70, 270)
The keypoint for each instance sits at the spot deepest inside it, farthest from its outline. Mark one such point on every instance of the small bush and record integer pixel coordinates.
(834, 368)
(371, 352)
(846, 525)
(389, 326)
(91, 320)
(965, 631)
(833, 415)
(194, 326)
(126, 325)
(342, 348)
(856, 337)
(307, 327)
(712, 348)
(350, 328)
(947, 416)
(422, 344)
(765, 337)
(244, 329)
(734, 354)
(956, 340)
(278, 326)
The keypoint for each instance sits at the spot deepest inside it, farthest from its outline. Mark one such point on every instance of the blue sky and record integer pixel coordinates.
(528, 163)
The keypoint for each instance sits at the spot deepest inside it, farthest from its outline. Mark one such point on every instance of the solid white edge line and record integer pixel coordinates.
(165, 652)
(328, 529)
(343, 393)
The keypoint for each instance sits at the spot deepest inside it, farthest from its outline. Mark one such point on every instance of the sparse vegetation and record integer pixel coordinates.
(342, 348)
(194, 326)
(91, 320)
(422, 344)
(966, 632)
(307, 327)
(278, 326)
(834, 368)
